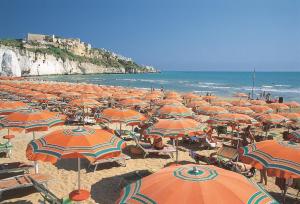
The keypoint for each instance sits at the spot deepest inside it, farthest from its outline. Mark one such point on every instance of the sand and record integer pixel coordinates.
(104, 182)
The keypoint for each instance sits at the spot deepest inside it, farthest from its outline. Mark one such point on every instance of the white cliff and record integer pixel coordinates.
(16, 62)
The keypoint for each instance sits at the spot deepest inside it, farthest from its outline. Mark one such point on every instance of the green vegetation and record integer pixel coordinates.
(12, 42)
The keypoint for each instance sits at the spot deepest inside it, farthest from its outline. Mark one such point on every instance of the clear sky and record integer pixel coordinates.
(171, 34)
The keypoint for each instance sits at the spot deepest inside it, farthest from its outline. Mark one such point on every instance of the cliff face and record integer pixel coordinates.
(19, 61)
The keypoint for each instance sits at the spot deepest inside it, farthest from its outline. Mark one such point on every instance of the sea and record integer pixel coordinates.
(278, 84)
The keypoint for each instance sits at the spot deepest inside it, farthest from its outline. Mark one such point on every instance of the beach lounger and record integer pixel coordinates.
(121, 159)
(48, 196)
(15, 167)
(21, 181)
(148, 148)
(6, 148)
(225, 154)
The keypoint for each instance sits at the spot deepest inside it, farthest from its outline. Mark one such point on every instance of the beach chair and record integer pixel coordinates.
(15, 167)
(121, 159)
(20, 181)
(224, 155)
(48, 196)
(148, 148)
(6, 148)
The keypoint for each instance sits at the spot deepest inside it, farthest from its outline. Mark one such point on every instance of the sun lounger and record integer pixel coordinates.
(225, 154)
(148, 148)
(21, 181)
(15, 167)
(121, 159)
(48, 196)
(6, 148)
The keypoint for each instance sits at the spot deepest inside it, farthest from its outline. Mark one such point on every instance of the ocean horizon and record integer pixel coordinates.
(223, 83)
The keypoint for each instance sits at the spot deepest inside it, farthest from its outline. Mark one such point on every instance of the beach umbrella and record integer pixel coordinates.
(292, 104)
(45, 97)
(89, 96)
(168, 102)
(261, 109)
(278, 106)
(272, 118)
(192, 183)
(195, 104)
(221, 103)
(70, 95)
(127, 116)
(32, 121)
(87, 103)
(258, 102)
(280, 158)
(173, 128)
(7, 107)
(132, 102)
(211, 110)
(81, 142)
(232, 118)
(209, 98)
(294, 117)
(191, 96)
(241, 110)
(240, 103)
(174, 111)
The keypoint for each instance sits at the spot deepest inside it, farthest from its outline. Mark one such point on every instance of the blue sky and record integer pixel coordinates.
(171, 35)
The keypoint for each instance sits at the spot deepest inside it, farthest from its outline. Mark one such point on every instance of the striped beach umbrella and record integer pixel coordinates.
(168, 102)
(121, 115)
(31, 121)
(292, 104)
(258, 102)
(7, 107)
(294, 117)
(278, 106)
(197, 103)
(232, 118)
(82, 102)
(132, 102)
(211, 110)
(78, 143)
(221, 103)
(261, 109)
(241, 110)
(281, 159)
(194, 184)
(240, 103)
(272, 118)
(295, 136)
(174, 111)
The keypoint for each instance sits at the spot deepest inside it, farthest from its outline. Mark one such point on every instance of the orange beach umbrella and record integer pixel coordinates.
(201, 184)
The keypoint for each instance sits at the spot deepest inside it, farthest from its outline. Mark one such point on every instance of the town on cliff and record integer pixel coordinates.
(39, 54)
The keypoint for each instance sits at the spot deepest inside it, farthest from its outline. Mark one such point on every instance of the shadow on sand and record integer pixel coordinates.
(17, 193)
(101, 191)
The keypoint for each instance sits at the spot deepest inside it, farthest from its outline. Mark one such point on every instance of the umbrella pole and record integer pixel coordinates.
(120, 129)
(36, 166)
(78, 173)
(176, 150)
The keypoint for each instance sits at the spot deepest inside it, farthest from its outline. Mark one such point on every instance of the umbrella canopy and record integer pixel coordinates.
(240, 95)
(121, 115)
(221, 103)
(80, 142)
(281, 159)
(258, 102)
(7, 107)
(197, 103)
(232, 118)
(211, 110)
(241, 110)
(294, 117)
(173, 128)
(174, 111)
(272, 118)
(295, 136)
(84, 102)
(194, 184)
(32, 120)
(168, 102)
(132, 102)
(261, 109)
(292, 104)
(240, 103)
(278, 106)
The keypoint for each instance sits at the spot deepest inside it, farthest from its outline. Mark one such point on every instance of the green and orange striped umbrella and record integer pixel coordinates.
(232, 118)
(241, 110)
(281, 159)
(278, 106)
(88, 103)
(258, 102)
(7, 107)
(261, 109)
(191, 183)
(292, 104)
(240, 103)
(294, 117)
(272, 118)
(221, 103)
(132, 102)
(32, 121)
(211, 110)
(121, 115)
(174, 111)
(81, 142)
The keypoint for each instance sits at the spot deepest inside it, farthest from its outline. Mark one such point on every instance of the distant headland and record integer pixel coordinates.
(39, 54)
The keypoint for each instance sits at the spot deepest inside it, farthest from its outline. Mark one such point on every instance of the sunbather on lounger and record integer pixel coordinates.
(158, 143)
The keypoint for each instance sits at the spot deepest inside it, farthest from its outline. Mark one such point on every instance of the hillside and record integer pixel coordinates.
(54, 55)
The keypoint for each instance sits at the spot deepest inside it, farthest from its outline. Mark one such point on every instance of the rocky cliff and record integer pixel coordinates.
(17, 60)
